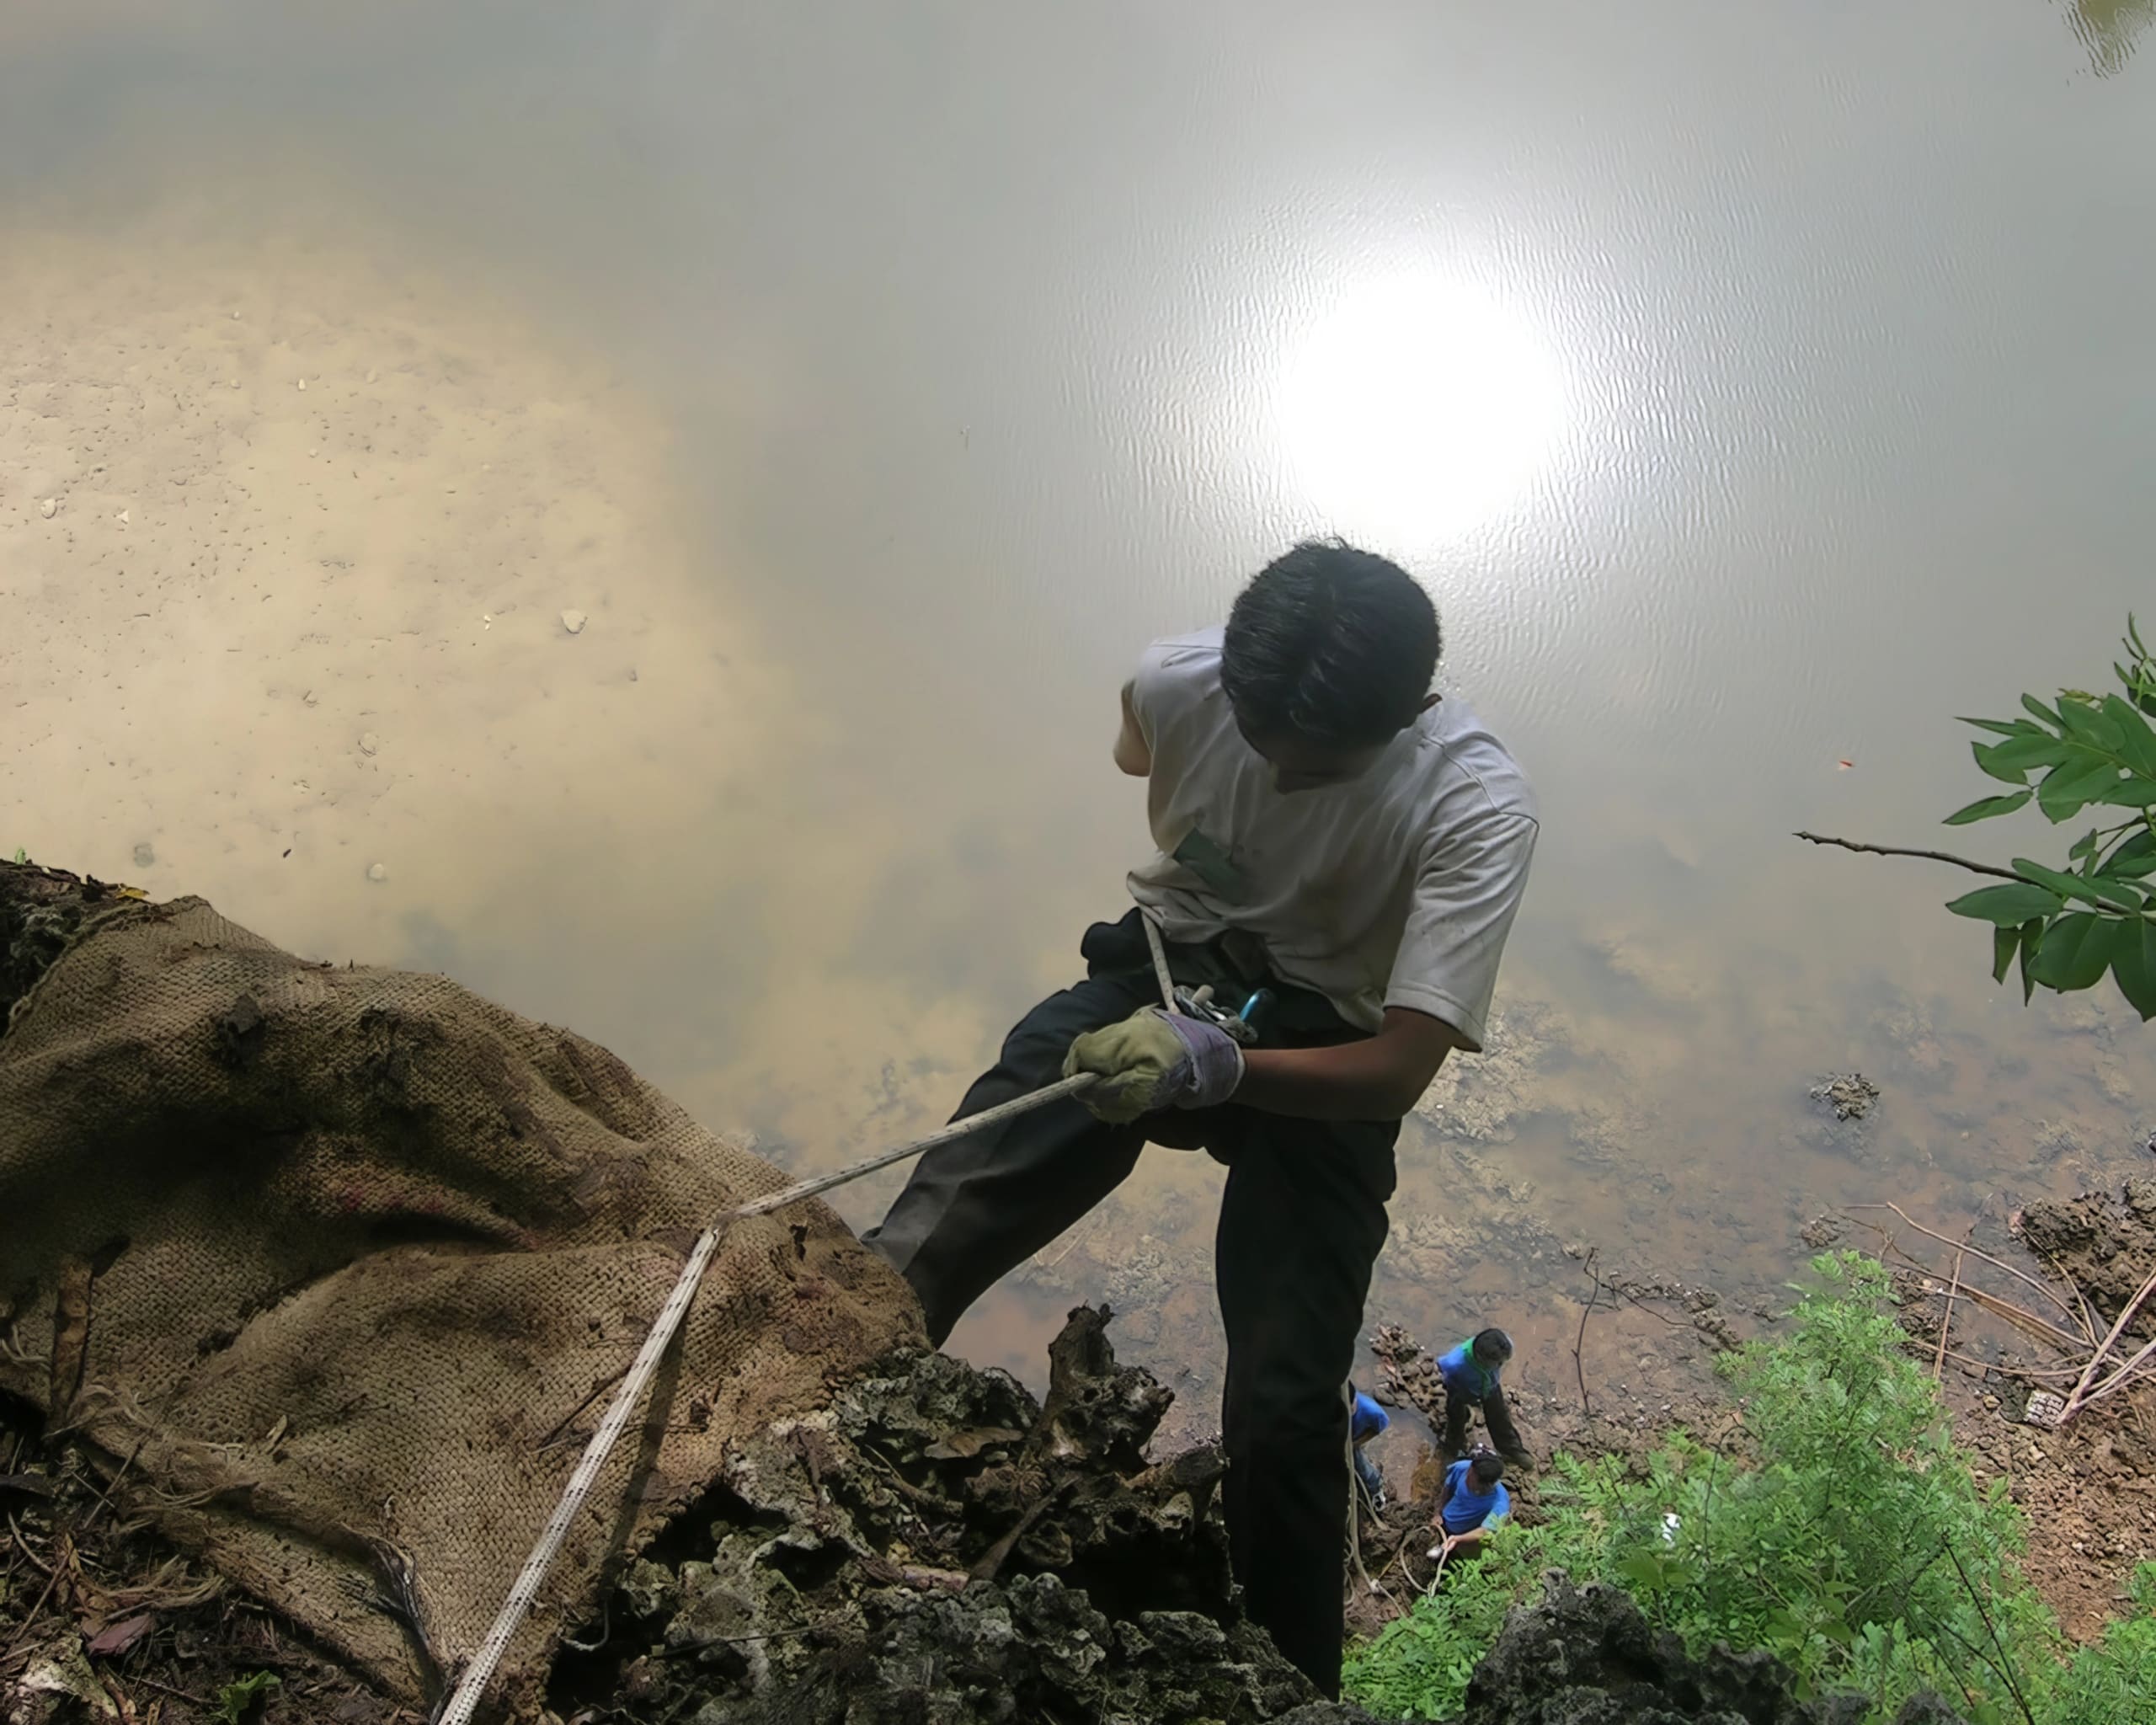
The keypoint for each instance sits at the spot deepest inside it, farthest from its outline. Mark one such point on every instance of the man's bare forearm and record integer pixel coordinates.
(1378, 1078)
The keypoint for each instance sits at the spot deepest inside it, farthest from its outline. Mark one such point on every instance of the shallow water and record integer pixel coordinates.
(1755, 387)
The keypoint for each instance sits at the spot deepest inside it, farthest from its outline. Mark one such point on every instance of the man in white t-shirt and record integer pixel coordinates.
(1329, 828)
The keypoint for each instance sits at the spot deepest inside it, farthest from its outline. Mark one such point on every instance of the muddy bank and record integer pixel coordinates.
(2089, 1487)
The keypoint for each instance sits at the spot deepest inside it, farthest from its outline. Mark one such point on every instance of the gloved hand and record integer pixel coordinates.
(1153, 1060)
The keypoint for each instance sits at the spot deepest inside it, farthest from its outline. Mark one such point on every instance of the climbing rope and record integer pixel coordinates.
(464, 1699)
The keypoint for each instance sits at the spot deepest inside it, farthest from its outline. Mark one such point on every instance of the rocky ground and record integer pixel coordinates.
(2089, 1487)
(936, 1549)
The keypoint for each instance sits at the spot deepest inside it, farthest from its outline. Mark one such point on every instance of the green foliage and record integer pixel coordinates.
(1851, 1539)
(2069, 926)
(2114, 1680)
(242, 1701)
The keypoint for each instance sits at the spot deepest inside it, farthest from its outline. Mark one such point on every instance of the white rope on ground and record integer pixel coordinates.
(471, 1687)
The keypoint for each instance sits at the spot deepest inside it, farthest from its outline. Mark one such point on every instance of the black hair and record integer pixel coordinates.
(1330, 645)
(1492, 1345)
(1486, 1470)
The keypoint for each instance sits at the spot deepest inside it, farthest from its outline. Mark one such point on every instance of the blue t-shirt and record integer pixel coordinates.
(1465, 1375)
(1467, 1508)
(1370, 1419)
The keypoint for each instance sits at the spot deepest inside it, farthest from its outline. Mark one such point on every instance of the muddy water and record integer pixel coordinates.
(1756, 388)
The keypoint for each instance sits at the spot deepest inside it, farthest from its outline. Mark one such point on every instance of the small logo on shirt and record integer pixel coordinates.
(1205, 859)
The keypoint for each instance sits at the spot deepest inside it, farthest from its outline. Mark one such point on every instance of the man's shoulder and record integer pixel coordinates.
(1477, 777)
(1176, 673)
(1194, 658)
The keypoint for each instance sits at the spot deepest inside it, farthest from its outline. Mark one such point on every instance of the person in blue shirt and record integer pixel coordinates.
(1472, 1500)
(1470, 1372)
(1368, 1420)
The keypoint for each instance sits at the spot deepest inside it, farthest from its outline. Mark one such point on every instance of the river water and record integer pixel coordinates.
(1756, 388)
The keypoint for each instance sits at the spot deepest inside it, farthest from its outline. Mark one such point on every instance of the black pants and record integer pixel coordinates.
(1301, 1223)
(1459, 1407)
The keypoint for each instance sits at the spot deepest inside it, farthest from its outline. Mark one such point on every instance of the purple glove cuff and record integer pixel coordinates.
(1215, 1062)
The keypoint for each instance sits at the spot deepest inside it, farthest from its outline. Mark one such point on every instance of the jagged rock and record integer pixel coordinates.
(1586, 1656)
(1033, 1649)
(935, 1517)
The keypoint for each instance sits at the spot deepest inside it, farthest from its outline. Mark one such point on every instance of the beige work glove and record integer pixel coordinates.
(1151, 1061)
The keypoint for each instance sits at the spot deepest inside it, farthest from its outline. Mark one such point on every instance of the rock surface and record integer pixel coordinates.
(1585, 1656)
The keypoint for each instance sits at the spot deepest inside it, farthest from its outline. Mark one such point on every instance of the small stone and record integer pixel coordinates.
(48, 508)
(573, 620)
(372, 374)
(375, 871)
(302, 383)
(144, 855)
(310, 697)
(235, 316)
(369, 742)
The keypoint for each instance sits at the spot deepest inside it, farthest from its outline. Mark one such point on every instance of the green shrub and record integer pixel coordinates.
(1851, 1539)
(2114, 1683)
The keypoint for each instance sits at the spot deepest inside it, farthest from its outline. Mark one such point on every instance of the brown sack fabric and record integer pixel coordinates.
(342, 1267)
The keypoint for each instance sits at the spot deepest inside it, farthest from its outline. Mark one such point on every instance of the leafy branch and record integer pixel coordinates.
(2067, 928)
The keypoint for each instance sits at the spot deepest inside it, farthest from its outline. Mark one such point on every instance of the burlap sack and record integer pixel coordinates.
(343, 1265)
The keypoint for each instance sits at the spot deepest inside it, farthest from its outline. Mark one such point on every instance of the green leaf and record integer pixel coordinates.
(2033, 705)
(2003, 727)
(238, 1701)
(2005, 942)
(2011, 760)
(2016, 903)
(2033, 934)
(2134, 858)
(1985, 807)
(2136, 744)
(2133, 965)
(2084, 847)
(2087, 724)
(2069, 788)
(2089, 890)
(2076, 950)
(2131, 793)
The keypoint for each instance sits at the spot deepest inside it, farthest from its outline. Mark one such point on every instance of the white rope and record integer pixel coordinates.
(464, 1700)
(1160, 961)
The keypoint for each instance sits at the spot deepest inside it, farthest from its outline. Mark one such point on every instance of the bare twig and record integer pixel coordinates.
(2132, 1371)
(1946, 1321)
(1983, 1368)
(2080, 1395)
(2049, 1294)
(991, 1562)
(1579, 1366)
(1815, 838)
(2024, 1319)
(2005, 1667)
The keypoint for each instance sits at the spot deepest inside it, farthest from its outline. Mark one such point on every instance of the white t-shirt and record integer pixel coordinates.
(1393, 889)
